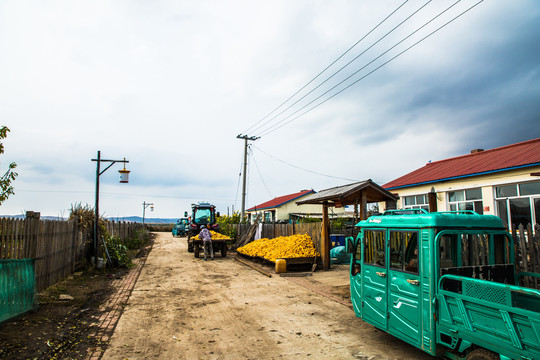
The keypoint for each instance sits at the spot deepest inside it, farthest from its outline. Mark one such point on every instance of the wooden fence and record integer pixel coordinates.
(527, 251)
(59, 247)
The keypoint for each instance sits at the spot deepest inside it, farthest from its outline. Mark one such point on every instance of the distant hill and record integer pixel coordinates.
(137, 219)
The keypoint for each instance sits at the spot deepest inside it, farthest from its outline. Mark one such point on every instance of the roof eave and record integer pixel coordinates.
(462, 176)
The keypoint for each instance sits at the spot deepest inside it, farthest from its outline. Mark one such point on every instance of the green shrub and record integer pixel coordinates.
(118, 252)
(138, 240)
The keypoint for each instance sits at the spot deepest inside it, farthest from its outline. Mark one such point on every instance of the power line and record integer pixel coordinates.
(298, 167)
(260, 175)
(324, 70)
(238, 185)
(276, 127)
(117, 194)
(341, 69)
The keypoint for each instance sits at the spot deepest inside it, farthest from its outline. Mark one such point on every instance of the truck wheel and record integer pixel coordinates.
(482, 354)
(189, 246)
(196, 249)
(223, 249)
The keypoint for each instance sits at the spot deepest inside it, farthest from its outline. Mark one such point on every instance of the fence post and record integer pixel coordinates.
(32, 229)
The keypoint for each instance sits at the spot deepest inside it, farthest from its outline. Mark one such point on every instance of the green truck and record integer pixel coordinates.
(445, 283)
(181, 227)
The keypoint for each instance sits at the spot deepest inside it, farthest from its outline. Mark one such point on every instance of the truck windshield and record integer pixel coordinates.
(203, 216)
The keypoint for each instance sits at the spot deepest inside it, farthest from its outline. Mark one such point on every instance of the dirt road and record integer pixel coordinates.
(187, 308)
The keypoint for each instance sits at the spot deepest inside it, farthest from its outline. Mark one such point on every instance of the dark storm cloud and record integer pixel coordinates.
(490, 94)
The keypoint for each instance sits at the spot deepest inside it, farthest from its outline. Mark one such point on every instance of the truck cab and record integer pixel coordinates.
(445, 283)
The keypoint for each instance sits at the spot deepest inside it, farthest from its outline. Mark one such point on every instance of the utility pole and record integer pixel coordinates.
(246, 138)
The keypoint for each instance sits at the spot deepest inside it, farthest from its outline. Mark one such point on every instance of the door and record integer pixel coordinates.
(374, 276)
(404, 315)
(355, 278)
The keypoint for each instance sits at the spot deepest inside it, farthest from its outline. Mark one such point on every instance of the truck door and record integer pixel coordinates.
(374, 278)
(404, 313)
(354, 247)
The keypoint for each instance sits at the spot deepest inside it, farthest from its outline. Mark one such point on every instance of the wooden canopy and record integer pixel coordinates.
(357, 194)
(350, 194)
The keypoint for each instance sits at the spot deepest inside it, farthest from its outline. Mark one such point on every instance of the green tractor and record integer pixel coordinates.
(202, 213)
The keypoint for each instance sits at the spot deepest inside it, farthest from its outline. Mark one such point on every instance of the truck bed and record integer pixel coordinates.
(499, 317)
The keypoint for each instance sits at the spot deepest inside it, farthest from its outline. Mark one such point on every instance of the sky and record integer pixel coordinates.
(336, 92)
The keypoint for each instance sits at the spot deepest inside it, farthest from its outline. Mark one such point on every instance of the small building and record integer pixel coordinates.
(504, 181)
(284, 209)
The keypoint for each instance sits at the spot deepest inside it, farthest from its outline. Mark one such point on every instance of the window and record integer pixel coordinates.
(374, 249)
(268, 217)
(470, 199)
(519, 204)
(404, 251)
(462, 250)
(416, 202)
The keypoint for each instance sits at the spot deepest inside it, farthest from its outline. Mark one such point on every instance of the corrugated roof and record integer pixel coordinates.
(523, 154)
(348, 194)
(276, 202)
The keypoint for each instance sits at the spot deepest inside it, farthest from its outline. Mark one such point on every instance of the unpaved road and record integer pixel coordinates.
(187, 308)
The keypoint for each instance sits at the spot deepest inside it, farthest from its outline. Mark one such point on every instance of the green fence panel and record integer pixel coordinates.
(17, 287)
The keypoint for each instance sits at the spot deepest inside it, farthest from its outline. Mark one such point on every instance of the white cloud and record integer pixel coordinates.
(169, 85)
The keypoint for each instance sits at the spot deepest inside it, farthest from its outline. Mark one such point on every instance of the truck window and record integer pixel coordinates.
(471, 255)
(404, 251)
(202, 216)
(374, 249)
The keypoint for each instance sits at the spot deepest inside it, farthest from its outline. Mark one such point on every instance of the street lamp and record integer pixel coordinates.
(145, 205)
(124, 178)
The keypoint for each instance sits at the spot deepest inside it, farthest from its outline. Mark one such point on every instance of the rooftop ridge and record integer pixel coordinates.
(484, 151)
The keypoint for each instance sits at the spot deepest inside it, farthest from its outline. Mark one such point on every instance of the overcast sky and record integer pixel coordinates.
(170, 84)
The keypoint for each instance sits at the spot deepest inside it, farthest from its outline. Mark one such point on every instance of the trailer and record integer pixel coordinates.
(445, 283)
(219, 245)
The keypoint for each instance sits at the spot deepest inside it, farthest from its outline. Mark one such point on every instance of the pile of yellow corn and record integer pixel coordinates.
(214, 234)
(282, 247)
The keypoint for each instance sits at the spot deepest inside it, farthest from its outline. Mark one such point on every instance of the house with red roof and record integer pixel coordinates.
(504, 181)
(284, 208)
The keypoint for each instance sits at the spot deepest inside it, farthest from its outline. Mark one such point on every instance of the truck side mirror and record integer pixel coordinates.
(349, 244)
(217, 214)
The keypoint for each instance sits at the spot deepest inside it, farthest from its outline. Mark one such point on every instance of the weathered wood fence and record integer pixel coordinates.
(59, 247)
(527, 251)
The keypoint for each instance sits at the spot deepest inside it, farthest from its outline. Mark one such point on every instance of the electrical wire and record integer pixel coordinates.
(276, 127)
(117, 194)
(324, 70)
(238, 185)
(344, 66)
(260, 175)
(310, 171)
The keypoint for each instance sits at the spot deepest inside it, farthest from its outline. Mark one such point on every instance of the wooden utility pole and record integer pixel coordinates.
(246, 138)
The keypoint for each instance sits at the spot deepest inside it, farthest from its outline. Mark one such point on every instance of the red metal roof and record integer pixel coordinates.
(523, 154)
(280, 200)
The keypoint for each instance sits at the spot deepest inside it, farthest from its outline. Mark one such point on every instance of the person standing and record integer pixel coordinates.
(206, 237)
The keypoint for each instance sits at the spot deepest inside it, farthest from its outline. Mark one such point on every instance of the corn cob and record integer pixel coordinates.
(293, 246)
(215, 236)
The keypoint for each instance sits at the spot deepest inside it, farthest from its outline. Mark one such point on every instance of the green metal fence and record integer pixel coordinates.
(17, 287)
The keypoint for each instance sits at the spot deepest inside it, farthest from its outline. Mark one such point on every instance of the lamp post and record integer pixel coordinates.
(145, 205)
(124, 178)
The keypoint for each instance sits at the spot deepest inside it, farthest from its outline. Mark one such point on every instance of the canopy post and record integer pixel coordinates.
(325, 238)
